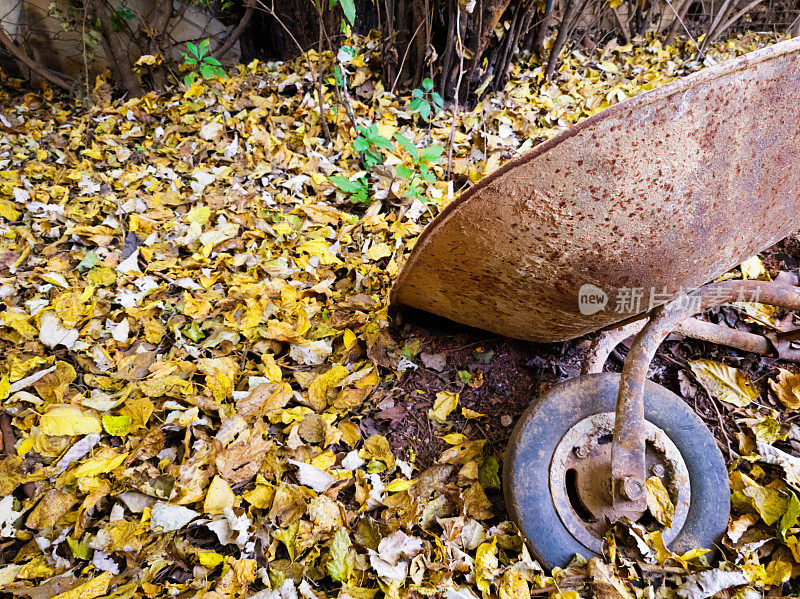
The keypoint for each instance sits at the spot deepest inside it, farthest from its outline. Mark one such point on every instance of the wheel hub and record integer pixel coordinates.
(580, 480)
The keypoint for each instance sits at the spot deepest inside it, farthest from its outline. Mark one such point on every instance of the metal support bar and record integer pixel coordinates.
(627, 455)
(604, 343)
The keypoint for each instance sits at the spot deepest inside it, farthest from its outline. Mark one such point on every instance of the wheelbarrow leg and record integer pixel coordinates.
(605, 342)
(628, 474)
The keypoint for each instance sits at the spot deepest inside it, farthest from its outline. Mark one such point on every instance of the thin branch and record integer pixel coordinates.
(460, 52)
(271, 11)
(30, 63)
(237, 33)
(730, 22)
(402, 62)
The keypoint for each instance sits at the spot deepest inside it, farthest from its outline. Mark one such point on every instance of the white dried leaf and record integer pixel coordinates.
(52, 331)
(312, 477)
(170, 517)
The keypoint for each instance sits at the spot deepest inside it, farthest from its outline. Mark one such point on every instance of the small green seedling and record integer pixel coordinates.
(358, 189)
(422, 166)
(118, 18)
(368, 142)
(202, 64)
(426, 100)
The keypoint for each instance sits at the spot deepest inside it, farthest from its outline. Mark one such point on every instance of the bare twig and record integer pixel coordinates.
(117, 54)
(561, 38)
(320, 16)
(730, 22)
(567, 581)
(270, 10)
(623, 27)
(405, 55)
(723, 11)
(460, 52)
(85, 58)
(249, 5)
(30, 63)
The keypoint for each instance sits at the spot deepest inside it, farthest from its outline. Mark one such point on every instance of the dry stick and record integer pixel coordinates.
(622, 25)
(30, 63)
(647, 18)
(447, 58)
(478, 48)
(271, 11)
(720, 30)
(686, 29)
(538, 44)
(85, 59)
(556, 587)
(118, 54)
(320, 14)
(405, 55)
(794, 28)
(561, 38)
(460, 51)
(237, 33)
(722, 12)
(342, 95)
(679, 16)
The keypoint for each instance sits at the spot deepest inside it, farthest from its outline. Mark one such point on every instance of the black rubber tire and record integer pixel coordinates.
(537, 433)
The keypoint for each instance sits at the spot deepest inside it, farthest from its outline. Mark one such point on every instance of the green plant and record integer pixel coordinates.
(201, 63)
(358, 189)
(424, 100)
(118, 18)
(368, 142)
(422, 166)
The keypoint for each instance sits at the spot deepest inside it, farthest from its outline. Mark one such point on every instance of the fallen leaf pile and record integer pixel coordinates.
(194, 320)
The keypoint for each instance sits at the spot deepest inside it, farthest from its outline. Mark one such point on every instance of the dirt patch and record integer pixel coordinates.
(514, 373)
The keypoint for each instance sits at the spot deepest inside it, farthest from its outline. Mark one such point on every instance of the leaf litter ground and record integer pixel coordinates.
(204, 392)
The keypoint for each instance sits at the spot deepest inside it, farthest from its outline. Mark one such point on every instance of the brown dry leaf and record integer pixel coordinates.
(787, 389)
(604, 581)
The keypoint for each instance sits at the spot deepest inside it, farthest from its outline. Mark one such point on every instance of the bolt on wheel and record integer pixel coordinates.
(557, 470)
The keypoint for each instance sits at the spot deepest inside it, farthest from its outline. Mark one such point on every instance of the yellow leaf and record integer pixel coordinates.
(260, 496)
(604, 581)
(196, 309)
(7, 211)
(96, 587)
(454, 439)
(5, 387)
(513, 585)
(380, 250)
(105, 461)
(210, 559)
(195, 91)
(218, 497)
(471, 414)
(349, 338)
(319, 387)
(724, 382)
(753, 268)
(148, 59)
(68, 420)
(486, 564)
(659, 502)
(220, 374)
(445, 402)
(399, 484)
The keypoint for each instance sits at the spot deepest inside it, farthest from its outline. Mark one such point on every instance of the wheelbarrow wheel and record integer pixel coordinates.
(557, 470)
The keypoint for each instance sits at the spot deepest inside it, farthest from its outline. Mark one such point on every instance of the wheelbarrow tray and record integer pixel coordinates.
(651, 197)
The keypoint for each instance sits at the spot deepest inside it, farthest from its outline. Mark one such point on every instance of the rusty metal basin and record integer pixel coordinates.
(653, 196)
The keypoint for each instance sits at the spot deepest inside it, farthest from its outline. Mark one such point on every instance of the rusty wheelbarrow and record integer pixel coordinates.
(624, 216)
